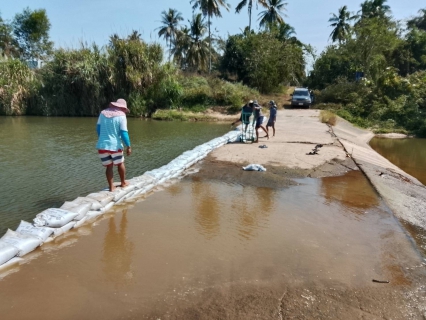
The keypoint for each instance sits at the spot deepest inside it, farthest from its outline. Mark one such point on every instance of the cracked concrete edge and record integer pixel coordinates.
(403, 193)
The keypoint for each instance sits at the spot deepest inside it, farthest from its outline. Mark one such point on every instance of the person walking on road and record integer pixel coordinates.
(112, 130)
(259, 120)
(272, 117)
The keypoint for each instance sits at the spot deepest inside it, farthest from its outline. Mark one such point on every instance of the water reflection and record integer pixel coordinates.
(205, 202)
(353, 190)
(118, 251)
(253, 207)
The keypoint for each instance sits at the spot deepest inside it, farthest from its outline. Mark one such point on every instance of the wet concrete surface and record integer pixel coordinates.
(228, 244)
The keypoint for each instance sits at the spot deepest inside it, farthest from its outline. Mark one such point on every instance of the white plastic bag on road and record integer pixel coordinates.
(254, 167)
(80, 208)
(29, 229)
(24, 243)
(54, 218)
(7, 252)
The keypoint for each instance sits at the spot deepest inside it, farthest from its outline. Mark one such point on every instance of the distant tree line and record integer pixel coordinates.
(373, 73)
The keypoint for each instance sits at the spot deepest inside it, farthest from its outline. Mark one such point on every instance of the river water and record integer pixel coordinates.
(408, 154)
(46, 161)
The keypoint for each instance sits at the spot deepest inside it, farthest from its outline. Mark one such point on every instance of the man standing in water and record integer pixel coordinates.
(111, 129)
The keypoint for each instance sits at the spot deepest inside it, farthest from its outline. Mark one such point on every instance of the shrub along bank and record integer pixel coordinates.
(81, 82)
(394, 104)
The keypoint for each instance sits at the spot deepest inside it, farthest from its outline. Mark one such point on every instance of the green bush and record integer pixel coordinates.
(18, 86)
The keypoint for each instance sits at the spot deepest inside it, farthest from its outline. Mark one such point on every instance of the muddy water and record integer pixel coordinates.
(46, 161)
(208, 248)
(408, 154)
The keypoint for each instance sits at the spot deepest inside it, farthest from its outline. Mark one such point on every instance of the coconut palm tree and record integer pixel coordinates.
(191, 48)
(135, 35)
(340, 24)
(210, 8)
(374, 8)
(170, 21)
(273, 14)
(249, 4)
(419, 21)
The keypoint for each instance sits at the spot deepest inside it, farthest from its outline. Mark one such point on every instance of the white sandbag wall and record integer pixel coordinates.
(54, 222)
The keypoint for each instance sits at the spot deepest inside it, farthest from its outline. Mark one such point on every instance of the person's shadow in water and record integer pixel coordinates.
(118, 252)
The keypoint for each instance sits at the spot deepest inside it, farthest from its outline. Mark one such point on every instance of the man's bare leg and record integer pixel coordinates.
(273, 130)
(122, 172)
(110, 177)
(267, 134)
(257, 136)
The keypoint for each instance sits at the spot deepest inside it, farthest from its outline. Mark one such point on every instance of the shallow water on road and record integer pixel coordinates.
(161, 254)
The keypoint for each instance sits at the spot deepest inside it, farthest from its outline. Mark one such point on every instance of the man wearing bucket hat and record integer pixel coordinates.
(112, 129)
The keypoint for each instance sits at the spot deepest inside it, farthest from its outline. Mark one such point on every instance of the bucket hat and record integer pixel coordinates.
(122, 104)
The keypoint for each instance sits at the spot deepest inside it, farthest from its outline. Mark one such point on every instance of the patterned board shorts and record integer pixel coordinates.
(111, 157)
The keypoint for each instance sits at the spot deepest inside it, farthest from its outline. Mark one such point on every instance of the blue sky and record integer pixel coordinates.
(95, 20)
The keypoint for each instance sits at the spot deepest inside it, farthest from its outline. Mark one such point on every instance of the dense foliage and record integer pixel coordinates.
(263, 60)
(390, 59)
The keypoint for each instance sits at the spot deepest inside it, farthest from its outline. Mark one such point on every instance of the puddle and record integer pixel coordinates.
(200, 241)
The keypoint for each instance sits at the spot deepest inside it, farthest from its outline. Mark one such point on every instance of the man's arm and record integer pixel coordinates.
(124, 133)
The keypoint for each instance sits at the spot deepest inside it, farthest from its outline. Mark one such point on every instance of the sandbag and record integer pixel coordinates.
(80, 222)
(11, 262)
(24, 243)
(93, 214)
(29, 229)
(118, 193)
(80, 208)
(60, 231)
(95, 204)
(103, 199)
(7, 252)
(107, 207)
(54, 218)
(142, 181)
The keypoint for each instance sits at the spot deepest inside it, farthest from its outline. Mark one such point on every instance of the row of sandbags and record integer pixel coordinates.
(54, 222)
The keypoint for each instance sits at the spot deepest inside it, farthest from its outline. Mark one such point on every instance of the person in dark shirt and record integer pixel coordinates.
(272, 117)
(246, 112)
(259, 120)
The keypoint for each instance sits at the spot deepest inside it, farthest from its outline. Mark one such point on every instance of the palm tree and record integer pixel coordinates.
(249, 4)
(135, 35)
(273, 13)
(340, 24)
(374, 8)
(286, 31)
(210, 8)
(419, 21)
(170, 21)
(191, 48)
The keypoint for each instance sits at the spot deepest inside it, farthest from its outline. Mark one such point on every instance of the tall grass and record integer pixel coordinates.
(17, 86)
